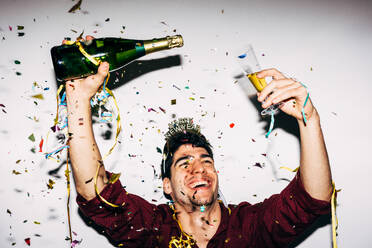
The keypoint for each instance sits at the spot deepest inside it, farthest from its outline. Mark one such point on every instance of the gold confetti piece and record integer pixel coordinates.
(173, 102)
(37, 223)
(192, 98)
(38, 96)
(50, 184)
(17, 162)
(289, 169)
(114, 177)
(75, 7)
(16, 172)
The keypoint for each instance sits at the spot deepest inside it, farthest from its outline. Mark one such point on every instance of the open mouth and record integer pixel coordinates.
(199, 184)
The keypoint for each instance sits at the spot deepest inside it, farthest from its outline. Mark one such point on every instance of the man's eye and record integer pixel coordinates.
(185, 164)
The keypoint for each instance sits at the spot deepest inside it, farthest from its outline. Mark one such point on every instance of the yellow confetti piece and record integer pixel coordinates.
(50, 184)
(37, 223)
(192, 98)
(289, 169)
(38, 96)
(114, 177)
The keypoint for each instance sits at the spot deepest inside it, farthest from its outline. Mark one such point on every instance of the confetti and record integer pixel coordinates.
(28, 241)
(75, 7)
(114, 177)
(163, 110)
(232, 125)
(17, 62)
(31, 137)
(41, 145)
(88, 181)
(173, 102)
(151, 109)
(38, 96)
(176, 87)
(242, 56)
(192, 98)
(258, 165)
(9, 212)
(50, 184)
(159, 150)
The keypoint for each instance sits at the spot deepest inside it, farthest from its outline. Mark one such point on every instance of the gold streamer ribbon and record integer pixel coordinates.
(95, 61)
(67, 175)
(334, 217)
(184, 240)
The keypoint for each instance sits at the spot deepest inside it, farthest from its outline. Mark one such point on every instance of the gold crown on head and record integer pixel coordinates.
(182, 125)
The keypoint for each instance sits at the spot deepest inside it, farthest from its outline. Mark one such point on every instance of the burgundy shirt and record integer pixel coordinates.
(275, 222)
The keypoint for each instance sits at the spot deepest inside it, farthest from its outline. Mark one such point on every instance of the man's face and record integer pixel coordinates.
(194, 180)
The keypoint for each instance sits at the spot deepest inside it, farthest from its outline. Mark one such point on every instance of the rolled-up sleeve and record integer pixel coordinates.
(128, 224)
(283, 217)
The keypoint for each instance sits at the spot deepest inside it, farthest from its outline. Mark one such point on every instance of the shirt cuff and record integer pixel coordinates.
(110, 193)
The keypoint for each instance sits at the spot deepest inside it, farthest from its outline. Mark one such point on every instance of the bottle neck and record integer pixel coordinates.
(163, 43)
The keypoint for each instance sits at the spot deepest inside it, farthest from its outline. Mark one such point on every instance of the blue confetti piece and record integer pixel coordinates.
(242, 56)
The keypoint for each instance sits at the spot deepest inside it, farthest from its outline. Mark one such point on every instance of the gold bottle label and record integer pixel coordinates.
(162, 44)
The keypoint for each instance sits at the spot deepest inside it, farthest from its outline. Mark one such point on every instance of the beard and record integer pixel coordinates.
(203, 202)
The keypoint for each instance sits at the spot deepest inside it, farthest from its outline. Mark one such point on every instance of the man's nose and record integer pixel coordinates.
(197, 167)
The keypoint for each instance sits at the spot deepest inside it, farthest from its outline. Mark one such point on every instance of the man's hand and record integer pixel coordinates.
(86, 88)
(287, 91)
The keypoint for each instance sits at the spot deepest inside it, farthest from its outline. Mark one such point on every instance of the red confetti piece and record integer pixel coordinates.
(10, 28)
(28, 241)
(232, 125)
(41, 145)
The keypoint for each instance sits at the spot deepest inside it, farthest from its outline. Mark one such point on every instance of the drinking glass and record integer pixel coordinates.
(248, 62)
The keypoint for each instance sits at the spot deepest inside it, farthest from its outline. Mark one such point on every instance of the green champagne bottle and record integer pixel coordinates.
(70, 63)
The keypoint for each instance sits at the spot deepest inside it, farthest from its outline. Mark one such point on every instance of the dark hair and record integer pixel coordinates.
(172, 145)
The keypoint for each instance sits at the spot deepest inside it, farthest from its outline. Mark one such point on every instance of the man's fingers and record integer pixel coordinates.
(102, 72)
(274, 73)
(272, 86)
(89, 37)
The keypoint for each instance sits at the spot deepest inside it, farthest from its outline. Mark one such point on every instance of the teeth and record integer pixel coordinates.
(196, 184)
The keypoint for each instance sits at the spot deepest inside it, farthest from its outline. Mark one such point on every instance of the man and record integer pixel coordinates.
(196, 218)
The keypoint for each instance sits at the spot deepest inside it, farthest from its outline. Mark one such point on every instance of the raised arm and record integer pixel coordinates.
(314, 169)
(84, 153)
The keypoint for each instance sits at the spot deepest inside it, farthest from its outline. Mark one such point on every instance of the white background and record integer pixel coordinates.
(325, 44)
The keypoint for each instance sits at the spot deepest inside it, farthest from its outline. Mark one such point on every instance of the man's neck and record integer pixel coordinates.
(201, 225)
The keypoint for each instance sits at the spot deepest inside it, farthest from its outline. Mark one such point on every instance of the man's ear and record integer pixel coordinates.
(167, 186)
